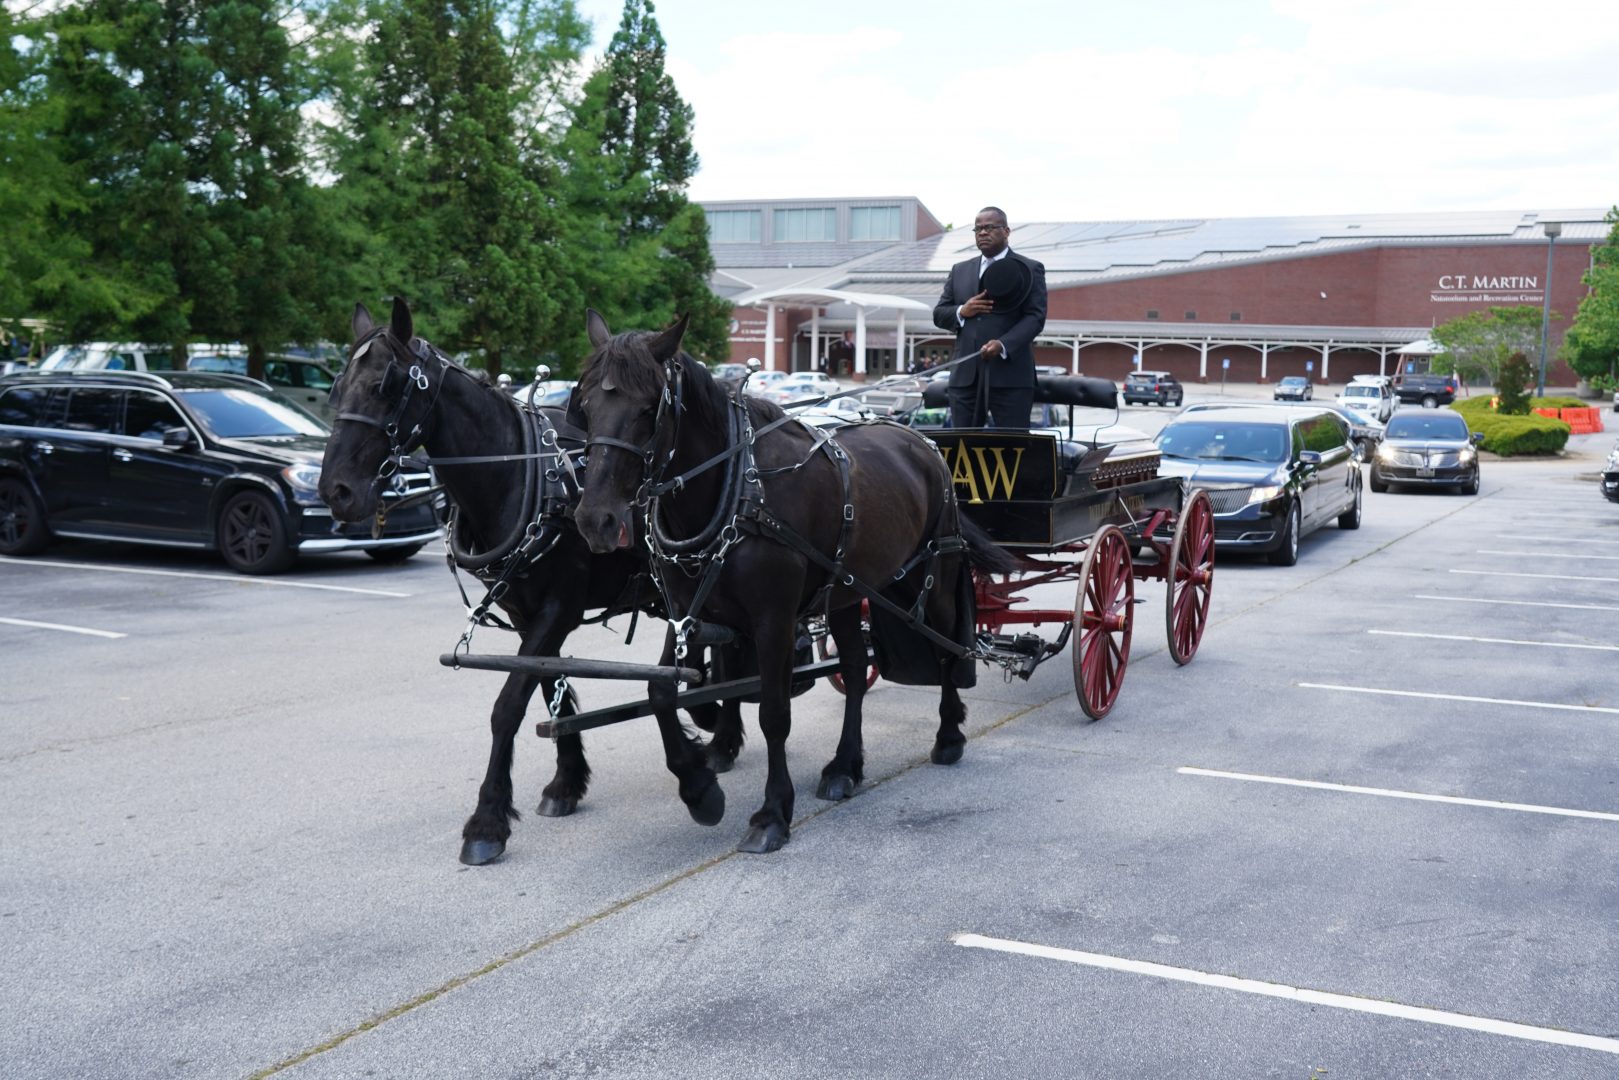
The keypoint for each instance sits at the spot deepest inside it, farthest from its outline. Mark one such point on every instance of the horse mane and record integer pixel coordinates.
(627, 360)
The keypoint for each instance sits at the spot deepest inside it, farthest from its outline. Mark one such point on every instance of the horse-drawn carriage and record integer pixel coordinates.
(761, 534)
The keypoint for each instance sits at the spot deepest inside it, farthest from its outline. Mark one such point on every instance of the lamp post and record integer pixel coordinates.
(1553, 230)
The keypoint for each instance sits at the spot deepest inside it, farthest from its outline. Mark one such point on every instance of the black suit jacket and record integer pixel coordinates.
(1016, 330)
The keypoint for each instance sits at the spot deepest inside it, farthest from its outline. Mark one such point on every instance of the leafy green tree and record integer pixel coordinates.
(434, 163)
(1477, 344)
(1592, 346)
(640, 246)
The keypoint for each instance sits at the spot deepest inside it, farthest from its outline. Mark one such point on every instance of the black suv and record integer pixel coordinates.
(1429, 391)
(1148, 387)
(184, 459)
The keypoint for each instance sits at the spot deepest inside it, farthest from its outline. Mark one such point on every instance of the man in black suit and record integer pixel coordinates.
(1000, 328)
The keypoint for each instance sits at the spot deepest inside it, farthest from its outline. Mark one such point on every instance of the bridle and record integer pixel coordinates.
(671, 405)
(399, 384)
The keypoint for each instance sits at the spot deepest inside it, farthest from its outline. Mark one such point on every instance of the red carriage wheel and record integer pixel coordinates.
(827, 649)
(1104, 607)
(1190, 576)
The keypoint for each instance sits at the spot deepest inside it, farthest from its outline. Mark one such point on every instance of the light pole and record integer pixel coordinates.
(1553, 230)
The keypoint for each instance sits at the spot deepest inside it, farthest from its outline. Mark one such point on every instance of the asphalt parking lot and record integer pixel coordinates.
(1369, 831)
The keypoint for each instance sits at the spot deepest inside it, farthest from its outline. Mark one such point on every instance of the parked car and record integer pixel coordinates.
(1364, 432)
(802, 387)
(552, 392)
(1153, 387)
(306, 381)
(1294, 388)
(109, 356)
(728, 375)
(1375, 400)
(1429, 391)
(1273, 474)
(184, 459)
(1428, 449)
(1610, 475)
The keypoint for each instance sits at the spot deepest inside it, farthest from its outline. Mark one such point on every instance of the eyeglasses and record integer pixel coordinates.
(990, 228)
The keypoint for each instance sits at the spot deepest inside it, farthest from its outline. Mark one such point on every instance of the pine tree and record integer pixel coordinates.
(641, 247)
(435, 163)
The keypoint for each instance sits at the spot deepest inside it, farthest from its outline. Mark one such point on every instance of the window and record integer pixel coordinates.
(1236, 316)
(148, 416)
(734, 226)
(159, 360)
(1191, 316)
(92, 410)
(1152, 313)
(23, 406)
(874, 223)
(805, 226)
(1324, 434)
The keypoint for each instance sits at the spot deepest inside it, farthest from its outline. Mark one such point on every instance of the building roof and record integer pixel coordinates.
(1086, 252)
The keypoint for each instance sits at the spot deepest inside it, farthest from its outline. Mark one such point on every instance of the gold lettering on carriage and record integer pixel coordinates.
(989, 475)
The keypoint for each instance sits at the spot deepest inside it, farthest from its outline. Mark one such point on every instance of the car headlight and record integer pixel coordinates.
(1264, 494)
(1385, 452)
(304, 480)
(1466, 454)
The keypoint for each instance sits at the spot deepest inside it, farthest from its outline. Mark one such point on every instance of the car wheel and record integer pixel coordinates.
(1471, 487)
(1350, 519)
(251, 535)
(389, 556)
(1287, 552)
(1379, 485)
(22, 519)
(1180, 399)
(1430, 402)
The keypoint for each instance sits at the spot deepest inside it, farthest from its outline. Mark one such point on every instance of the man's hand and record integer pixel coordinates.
(991, 350)
(978, 305)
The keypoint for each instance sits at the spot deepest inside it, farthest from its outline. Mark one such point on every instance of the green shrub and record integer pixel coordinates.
(1472, 408)
(1515, 436)
(1512, 385)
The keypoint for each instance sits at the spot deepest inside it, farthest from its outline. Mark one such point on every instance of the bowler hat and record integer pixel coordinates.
(1007, 281)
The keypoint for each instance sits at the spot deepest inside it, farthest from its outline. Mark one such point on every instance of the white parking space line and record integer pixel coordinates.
(1494, 640)
(1549, 577)
(1554, 539)
(62, 627)
(1390, 793)
(233, 578)
(1374, 1006)
(1516, 603)
(1548, 555)
(1458, 697)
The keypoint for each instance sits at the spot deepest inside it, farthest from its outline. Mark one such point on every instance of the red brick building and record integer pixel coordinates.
(1247, 299)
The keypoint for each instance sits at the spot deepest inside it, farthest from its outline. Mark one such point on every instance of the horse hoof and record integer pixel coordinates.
(709, 809)
(946, 753)
(480, 852)
(763, 839)
(834, 788)
(551, 806)
(719, 761)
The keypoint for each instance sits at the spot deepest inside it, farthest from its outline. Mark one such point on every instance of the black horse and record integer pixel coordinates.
(758, 520)
(398, 393)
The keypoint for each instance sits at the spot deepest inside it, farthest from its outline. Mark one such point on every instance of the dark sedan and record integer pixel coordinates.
(1272, 474)
(1610, 475)
(1432, 448)
(1294, 388)
(181, 459)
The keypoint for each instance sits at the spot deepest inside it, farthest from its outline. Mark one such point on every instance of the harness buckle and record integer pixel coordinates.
(848, 511)
(418, 376)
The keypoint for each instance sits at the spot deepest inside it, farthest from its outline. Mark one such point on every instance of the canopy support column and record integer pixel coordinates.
(815, 339)
(860, 343)
(900, 365)
(1203, 360)
(1073, 364)
(1264, 362)
(769, 357)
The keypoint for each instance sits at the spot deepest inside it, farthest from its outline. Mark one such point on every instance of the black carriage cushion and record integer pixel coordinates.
(1007, 282)
(936, 394)
(1080, 390)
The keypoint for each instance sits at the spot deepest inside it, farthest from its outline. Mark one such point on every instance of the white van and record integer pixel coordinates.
(1374, 399)
(109, 356)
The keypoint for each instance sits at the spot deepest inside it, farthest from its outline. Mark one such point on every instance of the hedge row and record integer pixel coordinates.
(1510, 436)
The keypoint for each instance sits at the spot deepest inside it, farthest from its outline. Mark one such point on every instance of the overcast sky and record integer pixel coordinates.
(1072, 110)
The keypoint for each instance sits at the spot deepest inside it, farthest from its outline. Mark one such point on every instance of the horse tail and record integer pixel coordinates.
(983, 553)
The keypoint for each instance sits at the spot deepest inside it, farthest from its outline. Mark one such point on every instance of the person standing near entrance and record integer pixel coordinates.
(995, 304)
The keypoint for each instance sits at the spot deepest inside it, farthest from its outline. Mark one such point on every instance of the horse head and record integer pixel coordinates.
(382, 404)
(626, 401)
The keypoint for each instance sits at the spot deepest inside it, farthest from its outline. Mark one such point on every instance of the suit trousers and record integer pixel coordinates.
(1008, 406)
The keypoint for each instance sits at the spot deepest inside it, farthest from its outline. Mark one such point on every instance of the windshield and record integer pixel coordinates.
(1361, 391)
(1225, 441)
(249, 414)
(1428, 425)
(1293, 380)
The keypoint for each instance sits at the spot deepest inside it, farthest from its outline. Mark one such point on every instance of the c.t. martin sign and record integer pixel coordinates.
(1487, 289)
